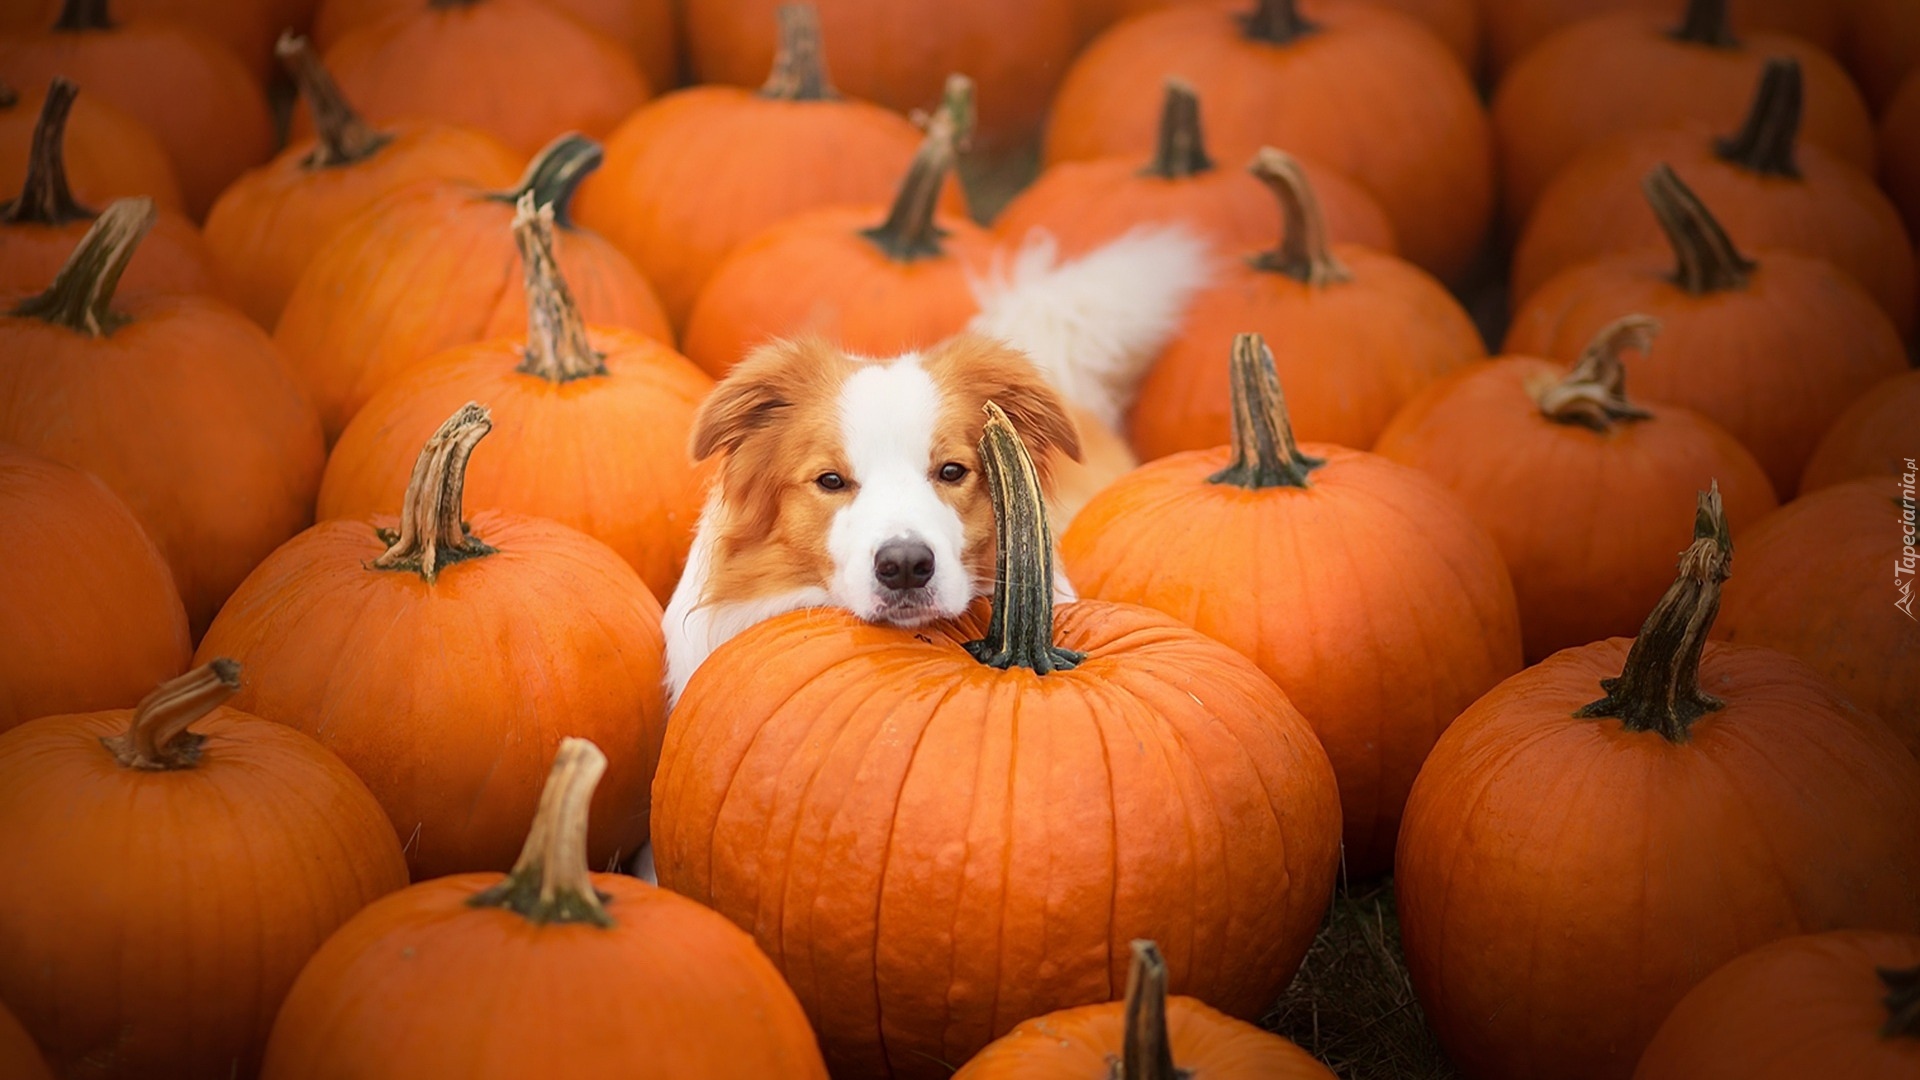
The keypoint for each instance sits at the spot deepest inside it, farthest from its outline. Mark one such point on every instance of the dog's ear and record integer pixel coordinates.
(753, 394)
(993, 371)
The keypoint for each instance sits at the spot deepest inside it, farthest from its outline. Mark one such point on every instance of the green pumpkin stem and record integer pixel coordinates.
(909, 231)
(157, 739)
(1765, 142)
(1020, 629)
(431, 536)
(1265, 454)
(557, 346)
(1594, 394)
(81, 296)
(1276, 22)
(1146, 1053)
(1706, 260)
(551, 882)
(1658, 689)
(82, 15)
(45, 199)
(555, 173)
(1179, 150)
(1305, 253)
(799, 58)
(1706, 23)
(1902, 1002)
(341, 136)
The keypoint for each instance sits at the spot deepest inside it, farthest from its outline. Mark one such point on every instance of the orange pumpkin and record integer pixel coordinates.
(179, 403)
(1568, 476)
(1843, 1003)
(244, 29)
(191, 93)
(874, 280)
(1600, 832)
(1004, 800)
(1084, 204)
(1358, 333)
(1882, 45)
(1773, 351)
(108, 153)
(645, 27)
(575, 973)
(593, 426)
(1149, 1036)
(1772, 189)
(40, 228)
(444, 659)
(1803, 592)
(1900, 151)
(1873, 437)
(690, 176)
(1291, 74)
(435, 266)
(1455, 22)
(517, 69)
(19, 1057)
(1256, 545)
(173, 867)
(1515, 26)
(271, 222)
(898, 52)
(1635, 69)
(92, 619)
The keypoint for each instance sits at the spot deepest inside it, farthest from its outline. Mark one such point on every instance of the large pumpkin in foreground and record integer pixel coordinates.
(547, 971)
(933, 847)
(170, 869)
(1600, 832)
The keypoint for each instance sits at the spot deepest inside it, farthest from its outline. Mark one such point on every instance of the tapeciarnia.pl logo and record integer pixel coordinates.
(1903, 566)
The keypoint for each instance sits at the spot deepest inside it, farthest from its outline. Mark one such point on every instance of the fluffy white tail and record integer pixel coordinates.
(1094, 323)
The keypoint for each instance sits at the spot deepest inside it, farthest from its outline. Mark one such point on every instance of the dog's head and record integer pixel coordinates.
(862, 477)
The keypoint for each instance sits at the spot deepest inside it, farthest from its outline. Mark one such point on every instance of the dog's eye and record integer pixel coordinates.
(953, 472)
(830, 481)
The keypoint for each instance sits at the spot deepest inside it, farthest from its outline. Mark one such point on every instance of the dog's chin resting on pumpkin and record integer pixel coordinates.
(853, 482)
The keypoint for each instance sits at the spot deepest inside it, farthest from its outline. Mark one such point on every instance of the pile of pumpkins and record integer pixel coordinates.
(341, 487)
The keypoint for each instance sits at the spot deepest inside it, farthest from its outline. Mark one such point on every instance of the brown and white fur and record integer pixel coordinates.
(854, 482)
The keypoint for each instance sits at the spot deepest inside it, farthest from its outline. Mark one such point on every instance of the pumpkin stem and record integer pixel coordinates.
(557, 346)
(799, 59)
(431, 536)
(1902, 1001)
(555, 173)
(1305, 254)
(1020, 629)
(1264, 452)
(1707, 261)
(82, 15)
(45, 198)
(1276, 22)
(1765, 142)
(1594, 393)
(341, 136)
(1179, 151)
(1658, 689)
(158, 739)
(909, 231)
(1706, 23)
(81, 296)
(551, 881)
(1146, 1053)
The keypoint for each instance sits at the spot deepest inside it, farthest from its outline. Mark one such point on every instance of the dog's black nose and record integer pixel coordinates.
(903, 564)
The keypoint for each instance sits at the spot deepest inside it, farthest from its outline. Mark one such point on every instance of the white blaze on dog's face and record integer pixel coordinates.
(861, 478)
